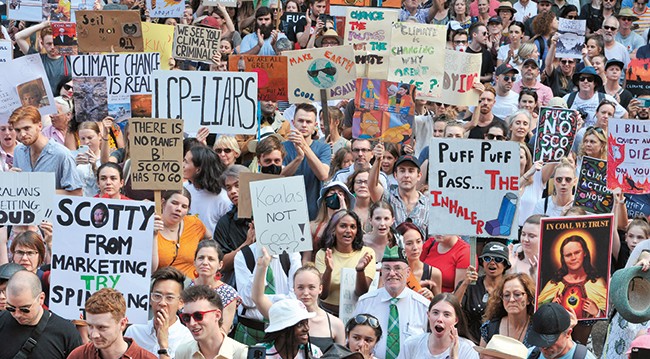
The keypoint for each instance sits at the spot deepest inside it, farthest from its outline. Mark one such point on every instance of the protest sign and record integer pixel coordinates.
(65, 37)
(225, 102)
(167, 8)
(24, 82)
(556, 130)
(281, 216)
(271, 72)
(289, 21)
(312, 70)
(347, 297)
(42, 10)
(25, 197)
(628, 155)
(226, 3)
(416, 50)
(571, 39)
(591, 191)
(368, 31)
(118, 85)
(27, 10)
(368, 3)
(196, 43)
(462, 171)
(156, 147)
(637, 205)
(638, 77)
(109, 31)
(461, 70)
(574, 264)
(6, 51)
(158, 38)
(101, 243)
(244, 209)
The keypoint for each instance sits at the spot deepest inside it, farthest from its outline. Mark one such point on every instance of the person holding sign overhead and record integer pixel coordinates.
(177, 235)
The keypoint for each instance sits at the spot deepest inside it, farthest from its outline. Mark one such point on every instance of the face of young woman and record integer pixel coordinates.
(176, 207)
(527, 102)
(605, 112)
(307, 287)
(348, 159)
(109, 182)
(460, 7)
(27, 257)
(361, 185)
(225, 48)
(634, 236)
(442, 318)
(412, 244)
(89, 138)
(346, 230)
(564, 180)
(530, 237)
(362, 336)
(381, 221)
(189, 170)
(592, 146)
(291, 7)
(387, 163)
(207, 262)
(592, 48)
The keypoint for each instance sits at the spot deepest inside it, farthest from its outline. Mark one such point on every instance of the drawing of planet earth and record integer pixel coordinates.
(322, 73)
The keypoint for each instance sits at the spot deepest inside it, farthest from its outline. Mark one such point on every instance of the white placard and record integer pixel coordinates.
(26, 197)
(6, 51)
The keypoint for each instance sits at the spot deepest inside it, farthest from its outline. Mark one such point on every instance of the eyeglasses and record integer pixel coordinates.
(626, 18)
(67, 87)
(25, 253)
(496, 260)
(158, 297)
(460, 42)
(587, 78)
(610, 28)
(26, 310)
(361, 182)
(198, 316)
(361, 319)
(563, 179)
(567, 62)
(331, 71)
(361, 150)
(495, 137)
(516, 295)
(222, 150)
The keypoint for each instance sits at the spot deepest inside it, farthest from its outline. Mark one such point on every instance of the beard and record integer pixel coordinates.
(265, 30)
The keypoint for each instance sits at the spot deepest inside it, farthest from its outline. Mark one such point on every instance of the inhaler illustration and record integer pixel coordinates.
(503, 224)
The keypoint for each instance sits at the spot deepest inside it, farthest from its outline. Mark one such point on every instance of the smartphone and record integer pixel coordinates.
(645, 102)
(83, 149)
(640, 353)
(256, 352)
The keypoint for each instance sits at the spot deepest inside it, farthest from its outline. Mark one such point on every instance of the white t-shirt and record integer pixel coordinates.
(590, 105)
(505, 106)
(528, 200)
(416, 347)
(208, 206)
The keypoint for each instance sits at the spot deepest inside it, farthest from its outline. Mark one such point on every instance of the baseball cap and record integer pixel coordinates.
(207, 21)
(406, 158)
(530, 61)
(8, 269)
(614, 62)
(549, 322)
(505, 68)
(495, 19)
(496, 250)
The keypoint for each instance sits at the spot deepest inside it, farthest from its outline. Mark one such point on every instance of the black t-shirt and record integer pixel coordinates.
(487, 67)
(300, 27)
(59, 338)
(555, 83)
(479, 132)
(474, 304)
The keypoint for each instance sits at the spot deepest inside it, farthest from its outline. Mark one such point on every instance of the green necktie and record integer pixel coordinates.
(270, 282)
(392, 341)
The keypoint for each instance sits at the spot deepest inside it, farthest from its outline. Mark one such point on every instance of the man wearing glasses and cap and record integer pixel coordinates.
(32, 329)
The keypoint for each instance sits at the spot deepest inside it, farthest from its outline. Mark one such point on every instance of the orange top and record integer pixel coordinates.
(193, 232)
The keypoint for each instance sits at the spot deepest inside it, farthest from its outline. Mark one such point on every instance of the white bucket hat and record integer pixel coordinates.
(287, 313)
(504, 347)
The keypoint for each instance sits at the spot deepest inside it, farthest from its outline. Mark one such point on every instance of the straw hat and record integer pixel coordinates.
(501, 346)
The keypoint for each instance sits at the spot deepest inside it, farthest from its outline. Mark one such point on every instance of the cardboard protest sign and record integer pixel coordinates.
(226, 3)
(461, 70)
(572, 38)
(591, 191)
(271, 72)
(347, 297)
(24, 82)
(118, 85)
(628, 155)
(368, 3)
(225, 102)
(384, 111)
(638, 77)
(289, 21)
(196, 43)
(101, 243)
(556, 129)
(158, 38)
(416, 50)
(369, 32)
(166, 8)
(244, 209)
(109, 31)
(156, 148)
(65, 37)
(312, 70)
(281, 216)
(574, 264)
(6, 51)
(462, 171)
(26, 197)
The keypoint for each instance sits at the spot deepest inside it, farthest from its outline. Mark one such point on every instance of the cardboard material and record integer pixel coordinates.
(628, 155)
(109, 31)
(156, 147)
(244, 209)
(271, 72)
(225, 102)
(311, 70)
(197, 43)
(461, 70)
(26, 197)
(159, 38)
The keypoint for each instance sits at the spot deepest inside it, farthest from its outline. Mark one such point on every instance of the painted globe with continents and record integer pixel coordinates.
(322, 73)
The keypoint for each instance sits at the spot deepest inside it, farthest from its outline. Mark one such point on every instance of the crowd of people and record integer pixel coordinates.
(216, 293)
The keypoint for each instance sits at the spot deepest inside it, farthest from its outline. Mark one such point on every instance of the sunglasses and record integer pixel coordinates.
(67, 87)
(567, 62)
(362, 319)
(596, 129)
(222, 150)
(610, 28)
(587, 78)
(12, 309)
(198, 316)
(626, 19)
(572, 17)
(509, 78)
(496, 260)
(563, 179)
(460, 42)
(331, 71)
(495, 137)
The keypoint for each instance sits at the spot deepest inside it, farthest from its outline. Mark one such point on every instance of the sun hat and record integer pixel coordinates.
(506, 5)
(557, 102)
(330, 33)
(627, 12)
(287, 313)
(348, 195)
(631, 297)
(503, 347)
(549, 322)
(588, 70)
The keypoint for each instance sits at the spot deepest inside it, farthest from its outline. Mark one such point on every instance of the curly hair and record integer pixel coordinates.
(107, 300)
(337, 160)
(495, 308)
(542, 24)
(328, 240)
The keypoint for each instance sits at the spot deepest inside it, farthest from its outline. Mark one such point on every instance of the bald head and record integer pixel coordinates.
(24, 281)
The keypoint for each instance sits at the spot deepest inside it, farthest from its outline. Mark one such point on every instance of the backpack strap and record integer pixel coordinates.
(29, 345)
(581, 351)
(285, 261)
(601, 97)
(572, 97)
(249, 258)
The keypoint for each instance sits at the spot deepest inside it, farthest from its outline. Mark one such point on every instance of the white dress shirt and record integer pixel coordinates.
(145, 336)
